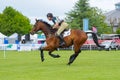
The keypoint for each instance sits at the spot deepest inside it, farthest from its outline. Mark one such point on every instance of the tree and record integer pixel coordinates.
(97, 19)
(82, 10)
(12, 21)
(118, 30)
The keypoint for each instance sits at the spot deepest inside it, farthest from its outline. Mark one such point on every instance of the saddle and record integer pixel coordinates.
(66, 32)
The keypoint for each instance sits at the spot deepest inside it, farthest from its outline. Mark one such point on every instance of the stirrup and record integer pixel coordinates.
(62, 43)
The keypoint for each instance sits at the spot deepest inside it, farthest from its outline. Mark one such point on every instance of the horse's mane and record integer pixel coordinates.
(48, 26)
(45, 22)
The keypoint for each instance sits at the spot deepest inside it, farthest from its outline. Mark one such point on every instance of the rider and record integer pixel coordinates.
(60, 25)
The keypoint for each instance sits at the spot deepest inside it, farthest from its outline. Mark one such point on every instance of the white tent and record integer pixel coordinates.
(14, 35)
(2, 35)
(12, 38)
(31, 36)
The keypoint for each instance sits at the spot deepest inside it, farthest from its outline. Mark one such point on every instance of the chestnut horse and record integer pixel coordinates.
(77, 38)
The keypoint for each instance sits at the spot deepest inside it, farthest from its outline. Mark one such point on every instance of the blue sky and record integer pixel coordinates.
(39, 8)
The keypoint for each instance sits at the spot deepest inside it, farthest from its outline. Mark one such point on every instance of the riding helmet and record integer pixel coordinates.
(49, 15)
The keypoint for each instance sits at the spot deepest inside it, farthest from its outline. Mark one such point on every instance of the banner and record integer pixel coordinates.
(8, 47)
(85, 24)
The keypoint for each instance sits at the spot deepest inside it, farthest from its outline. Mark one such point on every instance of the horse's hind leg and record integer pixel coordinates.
(77, 51)
(73, 57)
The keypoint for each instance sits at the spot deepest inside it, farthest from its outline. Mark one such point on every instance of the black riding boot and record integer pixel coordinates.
(62, 42)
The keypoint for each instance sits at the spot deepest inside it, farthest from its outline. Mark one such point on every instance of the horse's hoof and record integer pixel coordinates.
(69, 64)
(57, 56)
(42, 60)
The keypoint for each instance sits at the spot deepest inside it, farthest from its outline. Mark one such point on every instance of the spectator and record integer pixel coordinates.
(94, 29)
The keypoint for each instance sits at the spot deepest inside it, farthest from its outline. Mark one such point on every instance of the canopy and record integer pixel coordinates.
(14, 35)
(2, 35)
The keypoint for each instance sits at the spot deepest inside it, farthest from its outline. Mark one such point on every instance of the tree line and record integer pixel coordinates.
(83, 10)
(12, 21)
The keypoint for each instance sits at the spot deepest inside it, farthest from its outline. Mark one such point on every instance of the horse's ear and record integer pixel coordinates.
(36, 19)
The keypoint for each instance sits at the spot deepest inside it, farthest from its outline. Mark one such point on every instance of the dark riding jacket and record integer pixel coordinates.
(57, 20)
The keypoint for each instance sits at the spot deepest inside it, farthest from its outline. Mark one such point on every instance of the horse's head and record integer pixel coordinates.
(37, 26)
(43, 26)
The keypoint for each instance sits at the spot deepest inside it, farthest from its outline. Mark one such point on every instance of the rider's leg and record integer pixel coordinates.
(59, 32)
(62, 42)
(62, 27)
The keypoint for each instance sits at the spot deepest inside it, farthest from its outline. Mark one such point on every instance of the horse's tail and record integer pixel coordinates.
(95, 39)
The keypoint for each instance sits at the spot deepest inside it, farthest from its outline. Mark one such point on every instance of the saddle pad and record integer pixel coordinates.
(67, 33)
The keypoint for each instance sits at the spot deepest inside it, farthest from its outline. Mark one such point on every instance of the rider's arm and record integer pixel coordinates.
(56, 25)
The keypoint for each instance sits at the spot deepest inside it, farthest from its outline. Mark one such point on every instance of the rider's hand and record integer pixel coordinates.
(56, 26)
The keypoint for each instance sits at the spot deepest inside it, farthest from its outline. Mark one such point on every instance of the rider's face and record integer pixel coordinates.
(49, 18)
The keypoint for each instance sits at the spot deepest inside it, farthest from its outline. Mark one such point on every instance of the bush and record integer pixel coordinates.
(118, 31)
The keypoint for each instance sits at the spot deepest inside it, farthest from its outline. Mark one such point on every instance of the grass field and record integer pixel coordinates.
(89, 65)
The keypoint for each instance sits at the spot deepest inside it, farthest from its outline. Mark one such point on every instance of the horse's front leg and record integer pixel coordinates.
(42, 54)
(50, 49)
(53, 55)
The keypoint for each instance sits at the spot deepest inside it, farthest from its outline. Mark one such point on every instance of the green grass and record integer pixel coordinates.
(89, 65)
